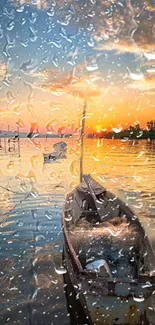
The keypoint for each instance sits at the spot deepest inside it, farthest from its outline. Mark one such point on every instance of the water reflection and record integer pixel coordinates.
(31, 290)
(150, 148)
(133, 142)
(31, 199)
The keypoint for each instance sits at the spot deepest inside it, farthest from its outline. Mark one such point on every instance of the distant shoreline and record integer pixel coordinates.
(125, 134)
(33, 136)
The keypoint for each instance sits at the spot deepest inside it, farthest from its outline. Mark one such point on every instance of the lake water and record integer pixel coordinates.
(31, 199)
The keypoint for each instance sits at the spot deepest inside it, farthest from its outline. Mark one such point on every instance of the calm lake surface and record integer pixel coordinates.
(31, 199)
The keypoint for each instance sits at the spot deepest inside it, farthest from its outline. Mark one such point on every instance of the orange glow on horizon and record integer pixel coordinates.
(121, 109)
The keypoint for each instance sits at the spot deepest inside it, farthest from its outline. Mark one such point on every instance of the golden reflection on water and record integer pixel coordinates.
(114, 163)
(124, 167)
(31, 198)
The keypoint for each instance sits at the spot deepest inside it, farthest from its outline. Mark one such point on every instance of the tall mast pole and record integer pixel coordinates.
(82, 139)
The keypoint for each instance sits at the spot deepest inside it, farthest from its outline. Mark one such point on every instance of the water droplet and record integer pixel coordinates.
(95, 156)
(34, 213)
(92, 68)
(20, 123)
(118, 129)
(20, 223)
(35, 293)
(140, 154)
(17, 109)
(68, 217)
(139, 299)
(16, 234)
(135, 76)
(23, 186)
(58, 46)
(9, 44)
(55, 60)
(10, 25)
(1, 33)
(32, 34)
(14, 289)
(72, 185)
(48, 215)
(34, 193)
(10, 15)
(101, 178)
(74, 167)
(10, 165)
(147, 285)
(20, 9)
(33, 17)
(29, 67)
(34, 161)
(10, 95)
(61, 270)
(38, 226)
(40, 237)
(51, 12)
(139, 134)
(91, 42)
(24, 43)
(66, 21)
(23, 20)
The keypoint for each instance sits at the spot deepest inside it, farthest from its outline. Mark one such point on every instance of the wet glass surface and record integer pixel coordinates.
(56, 58)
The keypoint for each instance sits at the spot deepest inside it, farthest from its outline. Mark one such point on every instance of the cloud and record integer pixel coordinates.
(119, 46)
(146, 84)
(130, 29)
(78, 82)
(46, 74)
(123, 26)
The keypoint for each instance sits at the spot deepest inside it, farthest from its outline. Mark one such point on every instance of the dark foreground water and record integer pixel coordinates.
(31, 287)
(31, 241)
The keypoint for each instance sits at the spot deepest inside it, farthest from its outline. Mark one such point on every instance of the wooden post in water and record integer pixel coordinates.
(9, 148)
(4, 143)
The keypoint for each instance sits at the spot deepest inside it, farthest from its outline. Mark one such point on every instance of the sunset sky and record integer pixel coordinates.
(57, 54)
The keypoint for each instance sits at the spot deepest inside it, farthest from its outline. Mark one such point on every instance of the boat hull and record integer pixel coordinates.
(102, 307)
(107, 299)
(115, 310)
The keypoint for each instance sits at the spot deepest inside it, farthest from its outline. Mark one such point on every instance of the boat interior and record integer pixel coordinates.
(105, 236)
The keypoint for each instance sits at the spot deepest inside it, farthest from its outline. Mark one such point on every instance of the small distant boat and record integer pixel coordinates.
(108, 257)
(60, 152)
(60, 146)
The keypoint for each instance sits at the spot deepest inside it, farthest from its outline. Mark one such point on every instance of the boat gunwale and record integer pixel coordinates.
(71, 252)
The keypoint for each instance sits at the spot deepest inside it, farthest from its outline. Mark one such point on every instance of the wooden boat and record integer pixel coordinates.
(108, 256)
(60, 151)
